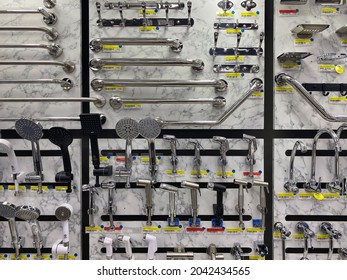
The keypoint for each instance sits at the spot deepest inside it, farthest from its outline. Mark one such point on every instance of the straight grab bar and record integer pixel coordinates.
(52, 119)
(283, 78)
(65, 83)
(149, 5)
(67, 66)
(98, 45)
(98, 64)
(100, 84)
(52, 34)
(118, 102)
(54, 50)
(48, 18)
(255, 85)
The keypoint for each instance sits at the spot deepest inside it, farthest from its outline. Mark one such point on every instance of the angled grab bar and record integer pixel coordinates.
(100, 84)
(52, 34)
(48, 18)
(54, 50)
(255, 85)
(98, 64)
(65, 83)
(67, 66)
(284, 78)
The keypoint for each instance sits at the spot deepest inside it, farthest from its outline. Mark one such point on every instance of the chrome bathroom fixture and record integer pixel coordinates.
(97, 64)
(100, 44)
(264, 186)
(62, 246)
(342, 31)
(49, 4)
(110, 244)
(48, 18)
(126, 5)
(333, 58)
(173, 191)
(7, 148)
(261, 249)
(125, 239)
(284, 234)
(65, 83)
(237, 251)
(54, 50)
(292, 57)
(243, 184)
(252, 148)
(31, 130)
(173, 146)
(290, 185)
(67, 66)
(180, 254)
(236, 68)
(52, 119)
(197, 157)
(293, 2)
(110, 209)
(236, 25)
(225, 5)
(223, 148)
(194, 189)
(283, 78)
(127, 129)
(51, 34)
(302, 227)
(150, 130)
(31, 214)
(148, 185)
(327, 228)
(8, 211)
(151, 241)
(307, 31)
(342, 179)
(218, 208)
(100, 84)
(248, 5)
(330, 2)
(212, 252)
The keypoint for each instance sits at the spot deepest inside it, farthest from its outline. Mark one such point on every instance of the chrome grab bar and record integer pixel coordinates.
(52, 34)
(100, 84)
(50, 119)
(99, 101)
(97, 64)
(65, 83)
(118, 102)
(283, 78)
(68, 66)
(97, 45)
(255, 85)
(48, 18)
(53, 49)
(149, 5)
(49, 4)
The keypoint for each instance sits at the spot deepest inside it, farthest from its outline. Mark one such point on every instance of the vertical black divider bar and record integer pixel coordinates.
(269, 122)
(85, 140)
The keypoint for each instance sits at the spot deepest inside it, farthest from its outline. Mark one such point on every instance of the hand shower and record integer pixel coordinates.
(110, 244)
(125, 239)
(218, 208)
(30, 214)
(197, 156)
(152, 245)
(31, 130)
(328, 229)
(224, 147)
(7, 148)
(110, 209)
(241, 199)
(150, 129)
(63, 138)
(127, 129)
(284, 234)
(173, 145)
(62, 247)
(148, 184)
(194, 189)
(173, 191)
(304, 228)
(8, 211)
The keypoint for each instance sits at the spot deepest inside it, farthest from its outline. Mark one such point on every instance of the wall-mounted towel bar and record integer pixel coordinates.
(67, 66)
(54, 50)
(65, 83)
(48, 18)
(52, 34)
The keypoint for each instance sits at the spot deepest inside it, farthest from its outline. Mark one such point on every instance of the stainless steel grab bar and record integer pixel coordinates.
(52, 119)
(118, 102)
(283, 78)
(67, 66)
(100, 84)
(65, 83)
(255, 85)
(149, 5)
(99, 101)
(53, 49)
(48, 18)
(49, 4)
(98, 64)
(52, 34)
(97, 45)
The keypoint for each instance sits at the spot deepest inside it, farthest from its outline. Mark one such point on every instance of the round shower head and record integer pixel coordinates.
(127, 128)
(5, 146)
(64, 212)
(149, 128)
(60, 136)
(7, 210)
(29, 129)
(27, 212)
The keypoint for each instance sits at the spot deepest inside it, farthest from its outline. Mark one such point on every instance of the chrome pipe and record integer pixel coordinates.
(48, 18)
(179, 255)
(68, 66)
(65, 83)
(149, 5)
(52, 34)
(98, 64)
(44, 119)
(54, 50)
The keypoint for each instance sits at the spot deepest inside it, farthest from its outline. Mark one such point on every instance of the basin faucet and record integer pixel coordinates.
(338, 185)
(197, 156)
(290, 185)
(224, 147)
(303, 228)
(327, 228)
(252, 148)
(312, 185)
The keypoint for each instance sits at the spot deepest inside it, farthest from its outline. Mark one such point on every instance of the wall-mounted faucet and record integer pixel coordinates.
(290, 185)
(224, 147)
(327, 228)
(252, 148)
(261, 249)
(197, 156)
(173, 191)
(194, 189)
(312, 185)
(334, 186)
(284, 234)
(303, 228)
(173, 145)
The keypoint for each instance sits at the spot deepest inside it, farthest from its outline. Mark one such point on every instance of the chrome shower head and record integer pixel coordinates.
(60, 136)
(7, 210)
(29, 129)
(127, 128)
(64, 212)
(149, 128)
(27, 212)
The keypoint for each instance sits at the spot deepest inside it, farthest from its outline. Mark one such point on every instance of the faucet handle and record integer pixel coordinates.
(290, 186)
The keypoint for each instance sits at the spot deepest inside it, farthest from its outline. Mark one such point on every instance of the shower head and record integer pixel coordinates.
(64, 212)
(27, 213)
(149, 128)
(7, 210)
(91, 124)
(60, 136)
(29, 129)
(7, 148)
(127, 128)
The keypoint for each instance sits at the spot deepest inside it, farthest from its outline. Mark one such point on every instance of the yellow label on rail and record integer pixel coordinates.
(1, 187)
(111, 67)
(146, 159)
(285, 195)
(249, 14)
(291, 66)
(23, 188)
(36, 188)
(327, 68)
(343, 42)
(256, 258)
(172, 229)
(179, 172)
(298, 236)
(132, 105)
(2, 257)
(21, 257)
(338, 99)
(195, 172)
(150, 229)
(322, 236)
(111, 48)
(303, 42)
(305, 195)
(150, 12)
(233, 31)
(114, 88)
(234, 75)
(70, 257)
(318, 196)
(332, 195)
(253, 229)
(234, 230)
(277, 235)
(235, 58)
(149, 28)
(93, 228)
(226, 14)
(284, 89)
(11, 187)
(257, 94)
(60, 188)
(228, 173)
(330, 11)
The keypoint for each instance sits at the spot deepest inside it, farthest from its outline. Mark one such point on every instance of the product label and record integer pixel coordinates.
(254, 230)
(93, 229)
(60, 188)
(291, 66)
(202, 172)
(227, 173)
(149, 12)
(246, 14)
(256, 258)
(298, 236)
(130, 106)
(303, 42)
(330, 11)
(343, 42)
(284, 89)
(111, 67)
(149, 29)
(36, 188)
(150, 229)
(322, 236)
(233, 31)
(146, 160)
(285, 196)
(327, 68)
(178, 173)
(235, 75)
(111, 48)
(305, 195)
(332, 196)
(228, 14)
(289, 12)
(234, 58)
(114, 88)
(172, 229)
(256, 95)
(234, 230)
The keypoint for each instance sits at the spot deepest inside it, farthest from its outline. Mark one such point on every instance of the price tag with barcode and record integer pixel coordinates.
(303, 42)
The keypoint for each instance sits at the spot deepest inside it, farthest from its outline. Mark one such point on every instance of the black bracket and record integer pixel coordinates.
(148, 22)
(325, 89)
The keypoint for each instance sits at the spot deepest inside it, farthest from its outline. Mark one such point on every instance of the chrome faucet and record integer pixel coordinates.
(173, 191)
(303, 228)
(327, 228)
(241, 199)
(312, 185)
(338, 185)
(197, 156)
(224, 147)
(173, 145)
(290, 185)
(252, 148)
(236, 251)
(284, 234)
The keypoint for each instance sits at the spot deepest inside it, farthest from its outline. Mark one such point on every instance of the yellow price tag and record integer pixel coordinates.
(254, 229)
(150, 12)
(111, 48)
(258, 94)
(234, 230)
(330, 10)
(11, 187)
(132, 105)
(1, 187)
(195, 172)
(35, 188)
(225, 14)
(285, 195)
(111, 67)
(303, 42)
(233, 31)
(298, 236)
(167, 228)
(339, 69)
(148, 28)
(234, 75)
(318, 196)
(322, 236)
(228, 173)
(249, 14)
(93, 228)
(114, 88)
(61, 188)
(332, 195)
(179, 172)
(235, 58)
(150, 229)
(256, 258)
(146, 159)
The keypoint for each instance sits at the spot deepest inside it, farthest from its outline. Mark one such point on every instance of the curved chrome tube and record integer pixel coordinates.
(54, 50)
(339, 181)
(255, 85)
(98, 64)
(284, 78)
(327, 228)
(52, 34)
(68, 66)
(48, 18)
(304, 228)
(65, 83)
